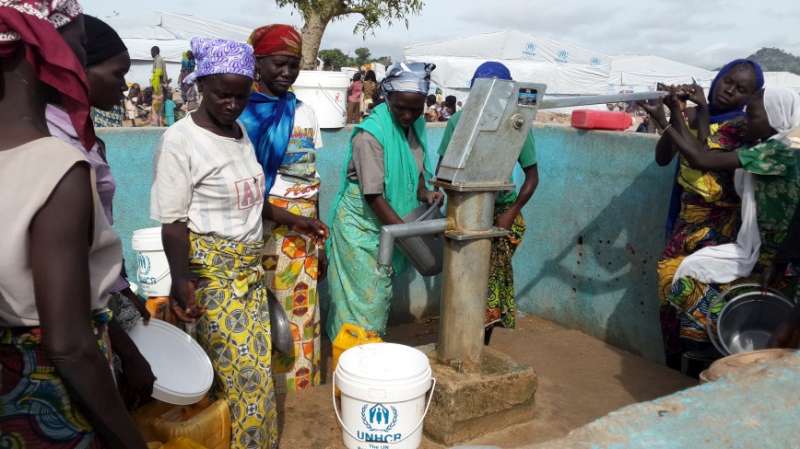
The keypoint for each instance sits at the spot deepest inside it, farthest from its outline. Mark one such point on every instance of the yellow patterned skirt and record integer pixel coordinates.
(291, 264)
(235, 333)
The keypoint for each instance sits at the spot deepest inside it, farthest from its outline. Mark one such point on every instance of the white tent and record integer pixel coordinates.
(172, 33)
(782, 79)
(565, 68)
(642, 73)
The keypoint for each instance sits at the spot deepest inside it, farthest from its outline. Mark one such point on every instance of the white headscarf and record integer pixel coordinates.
(783, 110)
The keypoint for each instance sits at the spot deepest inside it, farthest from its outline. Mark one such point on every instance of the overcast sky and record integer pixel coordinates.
(700, 32)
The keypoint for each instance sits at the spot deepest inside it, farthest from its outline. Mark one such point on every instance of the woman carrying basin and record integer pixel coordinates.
(286, 136)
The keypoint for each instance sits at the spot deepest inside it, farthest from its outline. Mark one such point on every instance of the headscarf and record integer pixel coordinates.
(783, 110)
(103, 42)
(718, 116)
(33, 24)
(221, 57)
(413, 77)
(277, 40)
(491, 69)
(269, 120)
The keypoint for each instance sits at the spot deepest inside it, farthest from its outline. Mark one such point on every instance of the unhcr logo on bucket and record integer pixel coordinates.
(379, 421)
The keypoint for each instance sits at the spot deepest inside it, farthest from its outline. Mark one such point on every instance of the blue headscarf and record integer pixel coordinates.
(491, 69)
(269, 122)
(718, 116)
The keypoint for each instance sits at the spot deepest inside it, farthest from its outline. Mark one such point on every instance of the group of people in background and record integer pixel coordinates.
(362, 95)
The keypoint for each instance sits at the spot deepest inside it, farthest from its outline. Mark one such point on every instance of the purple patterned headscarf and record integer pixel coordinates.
(219, 57)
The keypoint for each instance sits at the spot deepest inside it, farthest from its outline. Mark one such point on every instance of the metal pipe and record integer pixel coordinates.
(391, 232)
(465, 281)
(568, 102)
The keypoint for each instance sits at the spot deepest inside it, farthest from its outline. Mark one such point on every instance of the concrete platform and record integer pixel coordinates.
(465, 404)
(580, 379)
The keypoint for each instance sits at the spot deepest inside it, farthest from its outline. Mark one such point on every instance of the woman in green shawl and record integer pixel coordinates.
(385, 178)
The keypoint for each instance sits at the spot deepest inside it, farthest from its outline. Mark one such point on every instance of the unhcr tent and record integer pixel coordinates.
(642, 73)
(172, 33)
(782, 79)
(566, 69)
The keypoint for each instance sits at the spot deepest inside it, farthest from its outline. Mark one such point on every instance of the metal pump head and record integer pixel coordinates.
(488, 139)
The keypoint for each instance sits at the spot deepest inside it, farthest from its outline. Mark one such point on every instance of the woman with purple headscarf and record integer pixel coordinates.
(705, 207)
(209, 195)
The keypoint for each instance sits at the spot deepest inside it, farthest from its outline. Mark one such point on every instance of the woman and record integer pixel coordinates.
(208, 193)
(707, 212)
(107, 62)
(354, 96)
(188, 65)
(501, 302)
(385, 178)
(768, 177)
(370, 90)
(286, 135)
(60, 254)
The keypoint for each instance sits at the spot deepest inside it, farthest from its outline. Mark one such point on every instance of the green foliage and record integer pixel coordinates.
(362, 56)
(373, 12)
(335, 59)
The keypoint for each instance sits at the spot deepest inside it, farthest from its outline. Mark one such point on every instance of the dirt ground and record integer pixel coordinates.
(580, 379)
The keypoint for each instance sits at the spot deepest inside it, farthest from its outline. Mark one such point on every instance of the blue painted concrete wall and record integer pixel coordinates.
(595, 228)
(752, 408)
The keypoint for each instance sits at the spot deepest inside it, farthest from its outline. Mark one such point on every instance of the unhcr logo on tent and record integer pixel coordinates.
(562, 56)
(530, 49)
(379, 421)
(596, 61)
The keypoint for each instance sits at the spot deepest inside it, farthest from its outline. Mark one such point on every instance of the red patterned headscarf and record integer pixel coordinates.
(277, 40)
(33, 24)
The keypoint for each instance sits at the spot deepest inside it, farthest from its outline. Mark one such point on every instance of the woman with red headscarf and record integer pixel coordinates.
(60, 254)
(286, 135)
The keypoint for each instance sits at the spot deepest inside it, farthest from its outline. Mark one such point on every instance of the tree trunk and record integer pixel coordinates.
(313, 29)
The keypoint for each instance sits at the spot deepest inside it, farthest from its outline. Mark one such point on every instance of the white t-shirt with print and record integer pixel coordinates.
(297, 176)
(213, 183)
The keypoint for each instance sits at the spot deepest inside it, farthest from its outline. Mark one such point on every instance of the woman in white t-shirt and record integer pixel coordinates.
(286, 135)
(208, 193)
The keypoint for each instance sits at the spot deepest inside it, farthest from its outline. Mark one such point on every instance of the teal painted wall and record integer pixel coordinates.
(595, 228)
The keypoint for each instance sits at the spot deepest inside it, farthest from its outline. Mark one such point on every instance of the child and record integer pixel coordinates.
(169, 110)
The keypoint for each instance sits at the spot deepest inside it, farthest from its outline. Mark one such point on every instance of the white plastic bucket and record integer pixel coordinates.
(153, 268)
(383, 389)
(326, 93)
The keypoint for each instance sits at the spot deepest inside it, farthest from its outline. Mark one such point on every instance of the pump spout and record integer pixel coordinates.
(391, 232)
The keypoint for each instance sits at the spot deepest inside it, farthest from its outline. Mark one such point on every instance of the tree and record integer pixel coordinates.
(317, 14)
(362, 56)
(385, 60)
(335, 59)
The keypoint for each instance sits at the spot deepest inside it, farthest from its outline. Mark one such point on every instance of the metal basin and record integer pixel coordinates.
(280, 328)
(425, 252)
(749, 320)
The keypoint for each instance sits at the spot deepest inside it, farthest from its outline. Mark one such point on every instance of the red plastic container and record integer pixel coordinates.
(608, 120)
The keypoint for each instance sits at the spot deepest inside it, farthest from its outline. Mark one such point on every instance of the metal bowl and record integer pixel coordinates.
(749, 320)
(425, 252)
(280, 328)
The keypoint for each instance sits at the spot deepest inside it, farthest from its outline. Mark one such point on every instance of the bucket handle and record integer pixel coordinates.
(347, 431)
